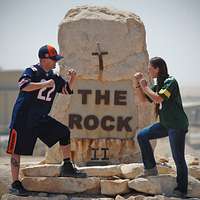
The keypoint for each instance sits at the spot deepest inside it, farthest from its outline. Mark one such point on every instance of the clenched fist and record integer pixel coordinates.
(138, 76)
(71, 72)
(50, 83)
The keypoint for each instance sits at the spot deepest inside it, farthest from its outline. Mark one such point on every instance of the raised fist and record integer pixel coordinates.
(71, 72)
(138, 76)
(50, 83)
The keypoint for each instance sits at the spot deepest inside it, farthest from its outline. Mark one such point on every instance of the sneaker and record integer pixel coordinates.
(18, 189)
(149, 172)
(177, 193)
(68, 169)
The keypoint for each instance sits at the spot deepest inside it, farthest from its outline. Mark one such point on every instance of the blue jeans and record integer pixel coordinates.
(177, 144)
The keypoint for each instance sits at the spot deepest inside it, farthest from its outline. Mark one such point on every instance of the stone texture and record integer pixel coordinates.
(122, 34)
(102, 171)
(165, 169)
(64, 197)
(46, 170)
(193, 187)
(194, 171)
(133, 170)
(130, 171)
(91, 198)
(62, 184)
(13, 197)
(127, 171)
(141, 197)
(53, 171)
(163, 184)
(114, 187)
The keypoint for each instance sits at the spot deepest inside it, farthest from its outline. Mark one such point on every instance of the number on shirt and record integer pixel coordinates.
(47, 97)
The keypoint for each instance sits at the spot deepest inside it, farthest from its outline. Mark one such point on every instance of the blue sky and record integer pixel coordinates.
(172, 28)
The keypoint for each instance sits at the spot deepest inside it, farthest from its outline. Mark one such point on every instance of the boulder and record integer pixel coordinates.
(62, 184)
(163, 184)
(47, 170)
(102, 171)
(114, 187)
(103, 113)
(130, 171)
(133, 170)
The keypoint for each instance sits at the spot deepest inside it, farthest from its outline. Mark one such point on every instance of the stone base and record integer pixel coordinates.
(110, 180)
(66, 197)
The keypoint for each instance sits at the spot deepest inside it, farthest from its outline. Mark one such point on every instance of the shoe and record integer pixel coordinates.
(18, 189)
(179, 194)
(149, 172)
(68, 169)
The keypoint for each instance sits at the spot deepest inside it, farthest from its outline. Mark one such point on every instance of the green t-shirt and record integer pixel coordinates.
(171, 112)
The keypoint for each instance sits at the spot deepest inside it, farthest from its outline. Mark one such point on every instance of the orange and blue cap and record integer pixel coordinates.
(49, 51)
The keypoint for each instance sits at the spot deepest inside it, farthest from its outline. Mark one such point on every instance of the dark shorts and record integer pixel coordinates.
(50, 131)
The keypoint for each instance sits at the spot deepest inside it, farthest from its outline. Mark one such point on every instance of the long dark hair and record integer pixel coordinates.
(158, 62)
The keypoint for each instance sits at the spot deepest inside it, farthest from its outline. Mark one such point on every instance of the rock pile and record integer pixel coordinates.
(106, 182)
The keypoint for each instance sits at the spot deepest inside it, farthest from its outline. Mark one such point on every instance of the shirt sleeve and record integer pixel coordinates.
(60, 83)
(26, 78)
(168, 89)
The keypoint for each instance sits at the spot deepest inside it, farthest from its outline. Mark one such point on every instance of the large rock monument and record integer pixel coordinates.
(106, 47)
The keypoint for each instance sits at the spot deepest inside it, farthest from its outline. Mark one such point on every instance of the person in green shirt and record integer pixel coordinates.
(173, 122)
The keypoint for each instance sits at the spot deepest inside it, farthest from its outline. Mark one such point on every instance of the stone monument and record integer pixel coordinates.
(106, 47)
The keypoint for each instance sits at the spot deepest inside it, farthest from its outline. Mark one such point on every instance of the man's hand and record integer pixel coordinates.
(72, 73)
(49, 84)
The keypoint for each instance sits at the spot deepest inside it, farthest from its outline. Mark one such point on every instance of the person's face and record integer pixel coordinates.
(49, 64)
(153, 72)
